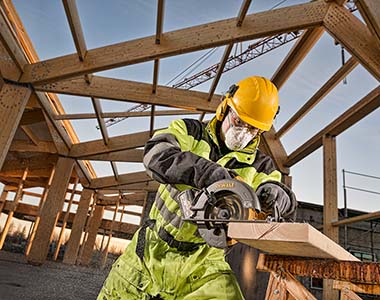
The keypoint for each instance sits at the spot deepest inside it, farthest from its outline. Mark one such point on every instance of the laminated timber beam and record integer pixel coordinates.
(178, 42)
(355, 37)
(131, 91)
(13, 99)
(319, 95)
(128, 114)
(352, 271)
(131, 155)
(355, 113)
(122, 142)
(298, 52)
(370, 11)
(71, 252)
(110, 181)
(50, 210)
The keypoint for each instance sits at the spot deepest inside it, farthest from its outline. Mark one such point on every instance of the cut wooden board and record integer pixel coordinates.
(295, 239)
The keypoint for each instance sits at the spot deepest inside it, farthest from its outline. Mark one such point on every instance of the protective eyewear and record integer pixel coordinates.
(236, 121)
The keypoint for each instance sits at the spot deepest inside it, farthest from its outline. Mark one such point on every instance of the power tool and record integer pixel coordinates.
(212, 208)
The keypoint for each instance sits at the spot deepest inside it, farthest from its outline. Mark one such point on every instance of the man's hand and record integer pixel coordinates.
(275, 200)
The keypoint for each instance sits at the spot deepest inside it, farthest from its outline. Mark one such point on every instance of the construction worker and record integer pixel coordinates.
(167, 258)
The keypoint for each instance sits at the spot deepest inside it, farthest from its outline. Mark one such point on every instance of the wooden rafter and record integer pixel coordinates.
(370, 10)
(354, 114)
(110, 181)
(178, 42)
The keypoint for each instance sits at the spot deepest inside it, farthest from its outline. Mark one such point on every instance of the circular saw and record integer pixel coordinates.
(215, 206)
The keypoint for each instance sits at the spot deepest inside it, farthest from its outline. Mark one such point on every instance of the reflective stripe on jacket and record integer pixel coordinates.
(187, 155)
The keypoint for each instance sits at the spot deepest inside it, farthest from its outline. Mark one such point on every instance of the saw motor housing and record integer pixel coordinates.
(212, 208)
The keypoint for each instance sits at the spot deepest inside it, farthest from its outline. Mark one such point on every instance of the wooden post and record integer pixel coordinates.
(50, 210)
(77, 228)
(3, 198)
(106, 249)
(64, 222)
(16, 199)
(13, 99)
(86, 228)
(330, 204)
(38, 218)
(94, 225)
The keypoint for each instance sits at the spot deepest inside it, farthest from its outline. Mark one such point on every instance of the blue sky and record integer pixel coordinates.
(108, 22)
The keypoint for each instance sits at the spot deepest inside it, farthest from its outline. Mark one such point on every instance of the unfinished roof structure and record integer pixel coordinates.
(40, 148)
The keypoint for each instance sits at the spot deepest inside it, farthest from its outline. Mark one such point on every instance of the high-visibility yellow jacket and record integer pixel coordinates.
(167, 257)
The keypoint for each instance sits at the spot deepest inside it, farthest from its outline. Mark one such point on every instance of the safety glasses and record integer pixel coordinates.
(236, 121)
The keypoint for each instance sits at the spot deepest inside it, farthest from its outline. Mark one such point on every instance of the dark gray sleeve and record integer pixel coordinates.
(168, 164)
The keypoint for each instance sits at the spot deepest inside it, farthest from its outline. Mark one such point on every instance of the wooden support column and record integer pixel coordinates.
(50, 211)
(94, 225)
(3, 198)
(11, 212)
(64, 222)
(330, 203)
(38, 218)
(77, 229)
(106, 249)
(13, 99)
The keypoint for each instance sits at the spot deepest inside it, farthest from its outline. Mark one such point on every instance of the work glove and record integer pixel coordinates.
(277, 199)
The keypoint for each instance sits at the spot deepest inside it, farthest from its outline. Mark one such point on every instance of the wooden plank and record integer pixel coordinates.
(353, 271)
(64, 222)
(370, 11)
(361, 218)
(13, 99)
(131, 155)
(110, 181)
(50, 210)
(129, 114)
(131, 91)
(24, 146)
(98, 111)
(71, 252)
(123, 142)
(354, 114)
(75, 27)
(354, 36)
(371, 289)
(298, 52)
(319, 95)
(297, 239)
(179, 42)
(94, 225)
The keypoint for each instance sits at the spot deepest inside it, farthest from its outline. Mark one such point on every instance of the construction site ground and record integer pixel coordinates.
(53, 280)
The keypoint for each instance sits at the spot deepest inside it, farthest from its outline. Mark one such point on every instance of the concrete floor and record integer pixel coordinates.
(53, 280)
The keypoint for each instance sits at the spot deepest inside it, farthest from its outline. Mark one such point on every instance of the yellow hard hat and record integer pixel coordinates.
(255, 101)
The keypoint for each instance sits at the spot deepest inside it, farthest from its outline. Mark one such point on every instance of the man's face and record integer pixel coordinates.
(235, 133)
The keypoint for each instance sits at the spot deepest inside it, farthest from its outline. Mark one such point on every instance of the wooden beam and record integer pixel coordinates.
(110, 181)
(131, 91)
(355, 37)
(178, 42)
(353, 271)
(149, 186)
(296, 55)
(296, 239)
(71, 252)
(94, 225)
(319, 95)
(13, 99)
(131, 155)
(243, 12)
(50, 211)
(75, 27)
(129, 114)
(123, 142)
(32, 116)
(98, 111)
(25, 146)
(354, 114)
(330, 203)
(276, 150)
(370, 11)
(361, 218)
(371, 289)
(30, 134)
